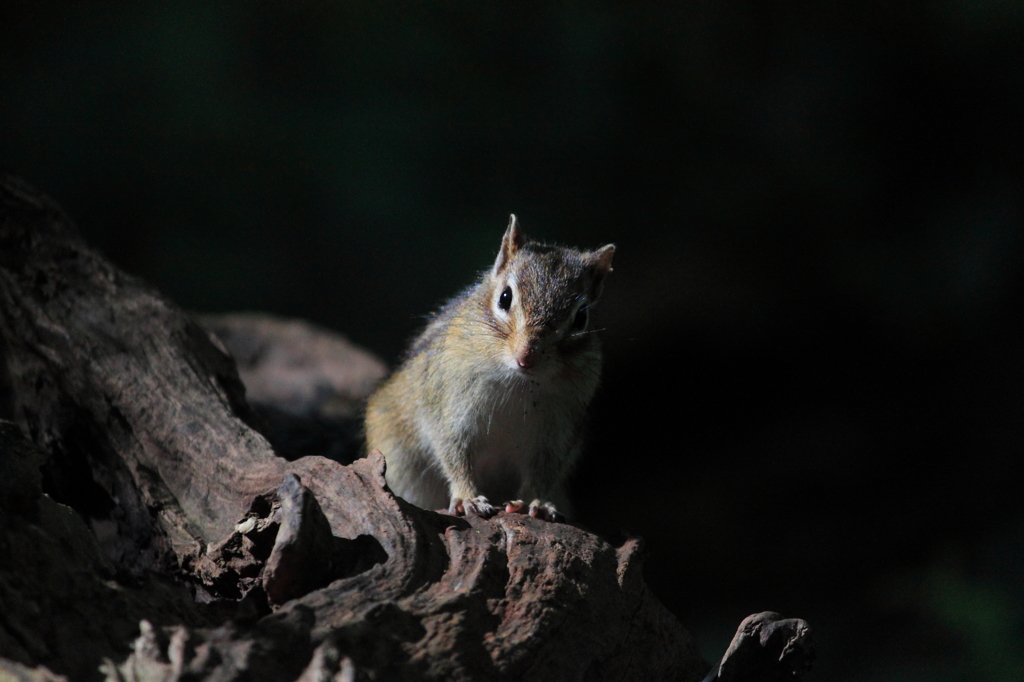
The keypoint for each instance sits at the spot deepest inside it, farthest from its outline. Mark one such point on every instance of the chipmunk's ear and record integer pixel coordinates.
(602, 259)
(602, 263)
(510, 243)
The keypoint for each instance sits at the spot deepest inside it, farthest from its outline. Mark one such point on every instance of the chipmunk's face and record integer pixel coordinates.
(541, 301)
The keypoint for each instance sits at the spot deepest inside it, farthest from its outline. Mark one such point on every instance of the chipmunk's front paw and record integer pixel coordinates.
(538, 509)
(477, 506)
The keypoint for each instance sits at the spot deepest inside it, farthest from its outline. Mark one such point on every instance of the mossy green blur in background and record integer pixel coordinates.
(813, 396)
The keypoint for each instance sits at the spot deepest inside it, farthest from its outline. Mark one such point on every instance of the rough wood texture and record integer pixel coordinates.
(62, 603)
(767, 648)
(307, 385)
(295, 569)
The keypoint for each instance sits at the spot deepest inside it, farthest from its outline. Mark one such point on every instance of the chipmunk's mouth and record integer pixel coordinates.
(520, 370)
(536, 374)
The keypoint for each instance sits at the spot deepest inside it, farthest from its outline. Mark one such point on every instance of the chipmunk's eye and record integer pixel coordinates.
(579, 322)
(505, 302)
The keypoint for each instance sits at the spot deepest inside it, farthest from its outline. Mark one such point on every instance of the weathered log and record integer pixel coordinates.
(307, 385)
(767, 648)
(305, 568)
(61, 602)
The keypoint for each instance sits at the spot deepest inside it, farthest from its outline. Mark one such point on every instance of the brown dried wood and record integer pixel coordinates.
(295, 569)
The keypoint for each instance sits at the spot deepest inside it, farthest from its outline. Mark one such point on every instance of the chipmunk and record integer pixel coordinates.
(490, 400)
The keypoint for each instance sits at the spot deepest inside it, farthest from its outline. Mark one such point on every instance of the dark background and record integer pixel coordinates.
(814, 382)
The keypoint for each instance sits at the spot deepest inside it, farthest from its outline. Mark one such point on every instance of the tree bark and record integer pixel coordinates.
(195, 551)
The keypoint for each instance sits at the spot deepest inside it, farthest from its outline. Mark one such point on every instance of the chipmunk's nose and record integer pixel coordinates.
(528, 347)
(526, 356)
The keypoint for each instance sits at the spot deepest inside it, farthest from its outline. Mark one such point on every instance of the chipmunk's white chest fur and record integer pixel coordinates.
(512, 426)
